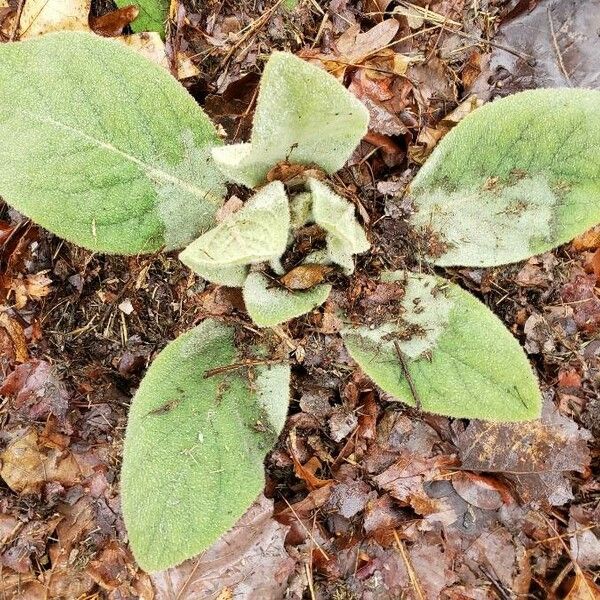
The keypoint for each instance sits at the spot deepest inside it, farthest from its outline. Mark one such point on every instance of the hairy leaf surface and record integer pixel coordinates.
(345, 236)
(462, 361)
(103, 147)
(269, 304)
(195, 445)
(256, 233)
(515, 178)
(153, 14)
(303, 115)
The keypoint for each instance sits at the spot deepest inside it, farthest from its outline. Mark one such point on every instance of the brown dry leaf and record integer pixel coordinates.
(405, 481)
(30, 287)
(43, 16)
(585, 547)
(113, 23)
(17, 337)
(303, 277)
(480, 491)
(110, 567)
(307, 471)
(430, 136)
(349, 498)
(580, 294)
(554, 45)
(25, 585)
(594, 264)
(26, 466)
(6, 229)
(495, 551)
(27, 542)
(37, 391)
(71, 552)
(248, 562)
(590, 240)
(534, 456)
(583, 588)
(355, 47)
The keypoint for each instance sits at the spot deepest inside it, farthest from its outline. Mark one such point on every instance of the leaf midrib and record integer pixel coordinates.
(158, 175)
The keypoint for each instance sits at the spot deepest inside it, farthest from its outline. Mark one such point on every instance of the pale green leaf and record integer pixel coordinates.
(256, 233)
(515, 178)
(153, 14)
(301, 210)
(103, 147)
(303, 115)
(462, 361)
(345, 236)
(270, 304)
(195, 445)
(230, 276)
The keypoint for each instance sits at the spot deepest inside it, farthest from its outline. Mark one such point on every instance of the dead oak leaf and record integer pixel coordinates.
(30, 287)
(27, 466)
(583, 588)
(15, 340)
(36, 391)
(304, 277)
(534, 456)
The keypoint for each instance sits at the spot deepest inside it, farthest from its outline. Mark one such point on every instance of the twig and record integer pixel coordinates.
(557, 50)
(414, 580)
(241, 365)
(530, 60)
(310, 535)
(407, 375)
(252, 29)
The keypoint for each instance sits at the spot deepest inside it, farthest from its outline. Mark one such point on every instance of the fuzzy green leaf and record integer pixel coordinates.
(256, 233)
(462, 361)
(153, 15)
(93, 153)
(269, 305)
(515, 178)
(345, 236)
(195, 445)
(303, 115)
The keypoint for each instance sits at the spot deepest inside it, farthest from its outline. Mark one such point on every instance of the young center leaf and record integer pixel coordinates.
(515, 178)
(256, 233)
(103, 147)
(458, 359)
(195, 445)
(345, 236)
(303, 115)
(152, 17)
(270, 304)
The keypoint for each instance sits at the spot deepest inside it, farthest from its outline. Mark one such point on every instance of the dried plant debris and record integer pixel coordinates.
(553, 45)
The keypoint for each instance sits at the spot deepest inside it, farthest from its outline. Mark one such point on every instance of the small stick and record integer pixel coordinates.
(407, 375)
(246, 364)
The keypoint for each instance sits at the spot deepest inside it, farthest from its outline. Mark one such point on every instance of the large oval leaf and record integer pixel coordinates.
(456, 357)
(102, 146)
(195, 444)
(303, 115)
(515, 178)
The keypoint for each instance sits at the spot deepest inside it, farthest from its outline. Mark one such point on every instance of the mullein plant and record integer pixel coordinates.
(108, 151)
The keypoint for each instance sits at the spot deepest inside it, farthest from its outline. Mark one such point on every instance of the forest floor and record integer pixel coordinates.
(365, 498)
